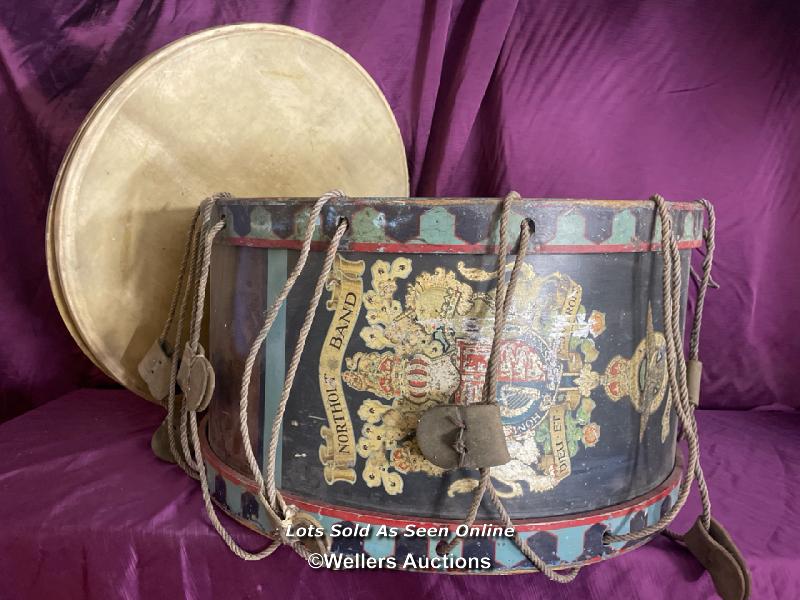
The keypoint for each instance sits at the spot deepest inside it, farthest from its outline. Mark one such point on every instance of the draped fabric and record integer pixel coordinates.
(566, 99)
(89, 512)
(610, 99)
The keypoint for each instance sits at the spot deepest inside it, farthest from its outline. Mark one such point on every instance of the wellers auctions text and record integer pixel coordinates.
(364, 561)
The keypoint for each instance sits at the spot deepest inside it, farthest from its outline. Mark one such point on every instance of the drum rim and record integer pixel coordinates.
(363, 515)
(617, 204)
(523, 524)
(69, 169)
(53, 273)
(452, 225)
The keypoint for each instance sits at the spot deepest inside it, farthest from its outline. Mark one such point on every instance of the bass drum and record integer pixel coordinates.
(406, 324)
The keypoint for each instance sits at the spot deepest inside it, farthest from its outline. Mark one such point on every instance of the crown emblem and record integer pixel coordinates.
(642, 378)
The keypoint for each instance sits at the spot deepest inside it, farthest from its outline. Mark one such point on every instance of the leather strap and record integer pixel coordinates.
(159, 443)
(318, 544)
(715, 550)
(454, 436)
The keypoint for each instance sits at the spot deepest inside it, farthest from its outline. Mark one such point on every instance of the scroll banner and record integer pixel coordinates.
(338, 450)
(558, 441)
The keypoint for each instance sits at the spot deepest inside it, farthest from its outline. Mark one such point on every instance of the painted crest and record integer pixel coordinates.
(642, 378)
(432, 347)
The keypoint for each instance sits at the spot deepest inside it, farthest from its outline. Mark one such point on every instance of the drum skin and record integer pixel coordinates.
(246, 109)
(406, 323)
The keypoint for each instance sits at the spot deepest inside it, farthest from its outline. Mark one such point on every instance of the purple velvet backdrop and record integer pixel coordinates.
(609, 99)
(86, 510)
(613, 99)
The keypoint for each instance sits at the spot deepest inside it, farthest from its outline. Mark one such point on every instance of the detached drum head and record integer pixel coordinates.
(254, 110)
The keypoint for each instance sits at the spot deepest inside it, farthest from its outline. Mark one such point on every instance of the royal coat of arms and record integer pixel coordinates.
(432, 347)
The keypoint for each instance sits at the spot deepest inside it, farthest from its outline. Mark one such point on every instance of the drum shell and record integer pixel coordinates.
(583, 342)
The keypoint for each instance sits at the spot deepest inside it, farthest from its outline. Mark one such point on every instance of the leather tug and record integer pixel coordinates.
(455, 436)
(155, 368)
(196, 378)
(714, 549)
